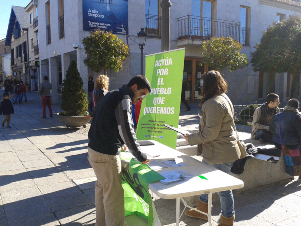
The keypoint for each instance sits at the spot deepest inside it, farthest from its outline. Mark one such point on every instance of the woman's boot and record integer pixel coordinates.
(202, 206)
(226, 221)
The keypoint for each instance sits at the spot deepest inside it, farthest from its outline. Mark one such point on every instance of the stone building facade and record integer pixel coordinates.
(61, 31)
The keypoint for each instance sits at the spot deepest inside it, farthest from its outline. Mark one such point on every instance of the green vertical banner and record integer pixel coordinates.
(162, 106)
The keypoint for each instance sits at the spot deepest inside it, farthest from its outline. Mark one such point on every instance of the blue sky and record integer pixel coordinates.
(5, 8)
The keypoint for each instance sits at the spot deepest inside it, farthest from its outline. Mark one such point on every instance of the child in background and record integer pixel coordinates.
(6, 108)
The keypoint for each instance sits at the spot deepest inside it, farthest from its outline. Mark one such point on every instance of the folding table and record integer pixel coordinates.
(216, 180)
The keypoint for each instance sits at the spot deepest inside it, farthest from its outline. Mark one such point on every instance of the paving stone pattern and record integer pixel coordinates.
(46, 179)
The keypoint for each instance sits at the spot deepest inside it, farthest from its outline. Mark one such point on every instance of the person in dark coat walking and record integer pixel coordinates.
(6, 108)
(90, 87)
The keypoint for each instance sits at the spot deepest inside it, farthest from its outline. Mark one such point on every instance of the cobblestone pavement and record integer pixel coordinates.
(45, 178)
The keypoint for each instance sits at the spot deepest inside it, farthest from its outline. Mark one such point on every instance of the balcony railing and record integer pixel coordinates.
(245, 36)
(35, 22)
(153, 26)
(36, 49)
(204, 28)
(48, 34)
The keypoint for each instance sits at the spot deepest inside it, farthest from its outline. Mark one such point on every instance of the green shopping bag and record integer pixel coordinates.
(135, 180)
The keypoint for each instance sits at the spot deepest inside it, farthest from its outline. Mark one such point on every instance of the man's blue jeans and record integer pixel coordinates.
(17, 98)
(23, 95)
(226, 197)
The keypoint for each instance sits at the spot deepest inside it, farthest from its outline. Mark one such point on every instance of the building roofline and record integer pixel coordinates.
(15, 12)
(283, 4)
(30, 4)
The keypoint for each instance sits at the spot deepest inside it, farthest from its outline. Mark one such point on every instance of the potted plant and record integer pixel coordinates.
(105, 51)
(74, 100)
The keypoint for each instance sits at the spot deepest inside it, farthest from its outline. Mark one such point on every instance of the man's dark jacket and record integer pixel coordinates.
(6, 107)
(290, 128)
(112, 125)
(90, 86)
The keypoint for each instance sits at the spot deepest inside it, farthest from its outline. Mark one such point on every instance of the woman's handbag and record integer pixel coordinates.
(292, 158)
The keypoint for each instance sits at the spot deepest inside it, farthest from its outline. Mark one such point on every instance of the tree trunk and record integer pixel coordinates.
(295, 86)
(295, 83)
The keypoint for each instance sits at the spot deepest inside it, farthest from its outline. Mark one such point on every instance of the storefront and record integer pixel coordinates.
(192, 78)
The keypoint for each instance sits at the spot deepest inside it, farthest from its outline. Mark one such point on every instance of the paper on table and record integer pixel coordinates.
(178, 160)
(156, 165)
(173, 163)
(171, 176)
(174, 176)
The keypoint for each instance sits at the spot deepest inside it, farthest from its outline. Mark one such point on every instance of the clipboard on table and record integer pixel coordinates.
(184, 133)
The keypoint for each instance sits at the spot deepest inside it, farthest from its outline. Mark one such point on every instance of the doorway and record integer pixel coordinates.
(192, 79)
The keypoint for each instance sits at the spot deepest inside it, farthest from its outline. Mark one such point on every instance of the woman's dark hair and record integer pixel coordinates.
(141, 82)
(5, 95)
(213, 84)
(293, 103)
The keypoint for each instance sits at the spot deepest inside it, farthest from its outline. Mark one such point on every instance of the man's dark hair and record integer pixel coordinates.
(141, 82)
(271, 97)
(5, 95)
(293, 103)
(46, 78)
(90, 77)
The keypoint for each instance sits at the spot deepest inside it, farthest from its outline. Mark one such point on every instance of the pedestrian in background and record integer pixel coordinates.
(184, 101)
(7, 86)
(262, 119)
(218, 137)
(18, 92)
(90, 87)
(290, 126)
(45, 88)
(100, 90)
(286, 129)
(23, 94)
(6, 108)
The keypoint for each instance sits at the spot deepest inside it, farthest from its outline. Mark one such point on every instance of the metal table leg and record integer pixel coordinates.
(209, 208)
(178, 201)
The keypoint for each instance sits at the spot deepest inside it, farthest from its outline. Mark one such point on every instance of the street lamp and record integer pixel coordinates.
(141, 42)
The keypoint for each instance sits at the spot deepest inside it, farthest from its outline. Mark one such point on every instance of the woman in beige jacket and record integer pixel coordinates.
(219, 141)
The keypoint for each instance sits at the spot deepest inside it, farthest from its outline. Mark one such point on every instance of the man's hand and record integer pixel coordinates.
(146, 161)
(88, 116)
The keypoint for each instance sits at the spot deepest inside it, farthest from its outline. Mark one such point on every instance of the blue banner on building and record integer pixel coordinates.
(107, 15)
